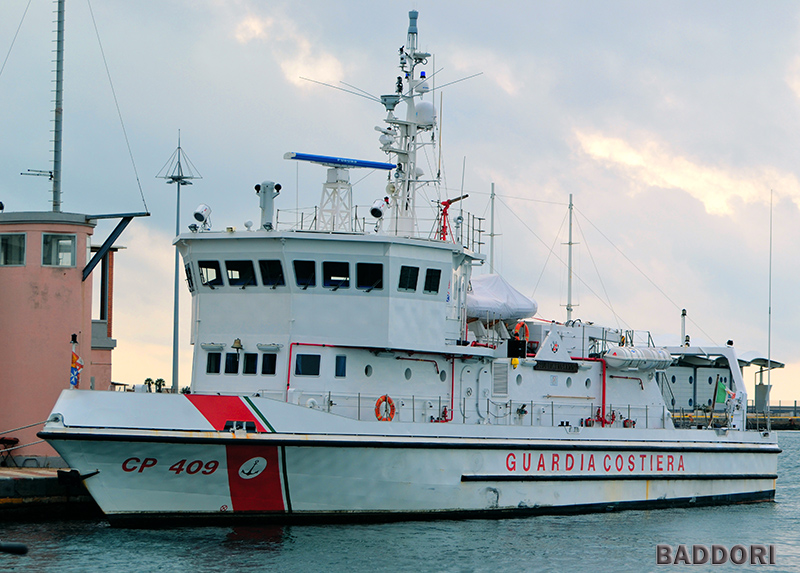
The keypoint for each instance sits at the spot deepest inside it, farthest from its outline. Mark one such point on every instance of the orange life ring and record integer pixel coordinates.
(384, 409)
(520, 326)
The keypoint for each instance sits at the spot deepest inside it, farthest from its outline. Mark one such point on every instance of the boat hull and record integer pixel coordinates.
(384, 471)
(214, 477)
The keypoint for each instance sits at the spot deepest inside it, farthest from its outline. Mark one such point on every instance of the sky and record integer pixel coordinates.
(674, 125)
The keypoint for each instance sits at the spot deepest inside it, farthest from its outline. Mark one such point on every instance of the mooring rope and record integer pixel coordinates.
(21, 446)
(22, 428)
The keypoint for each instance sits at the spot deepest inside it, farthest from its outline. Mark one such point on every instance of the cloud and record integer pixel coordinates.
(253, 28)
(650, 164)
(297, 56)
(793, 76)
(496, 68)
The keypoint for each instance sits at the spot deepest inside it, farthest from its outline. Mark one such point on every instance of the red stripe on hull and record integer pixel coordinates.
(220, 409)
(255, 479)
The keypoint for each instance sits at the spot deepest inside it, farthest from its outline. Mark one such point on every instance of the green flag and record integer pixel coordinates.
(721, 392)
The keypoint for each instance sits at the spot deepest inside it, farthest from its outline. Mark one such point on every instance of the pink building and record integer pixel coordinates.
(45, 300)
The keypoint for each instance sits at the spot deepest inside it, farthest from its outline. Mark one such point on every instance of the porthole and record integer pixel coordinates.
(569, 382)
(673, 379)
(443, 375)
(710, 380)
(368, 370)
(691, 402)
(519, 379)
(691, 381)
(588, 382)
(408, 373)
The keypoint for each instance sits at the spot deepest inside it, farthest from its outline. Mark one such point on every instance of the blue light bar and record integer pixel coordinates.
(338, 161)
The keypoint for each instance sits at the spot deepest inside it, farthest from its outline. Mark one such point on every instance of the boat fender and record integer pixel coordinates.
(384, 409)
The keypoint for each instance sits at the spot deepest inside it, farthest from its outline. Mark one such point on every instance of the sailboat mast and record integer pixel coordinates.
(58, 107)
(569, 263)
(491, 234)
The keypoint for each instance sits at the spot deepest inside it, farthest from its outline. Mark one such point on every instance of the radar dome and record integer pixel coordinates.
(426, 113)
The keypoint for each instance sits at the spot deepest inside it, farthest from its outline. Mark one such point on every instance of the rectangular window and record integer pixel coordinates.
(432, 279)
(272, 273)
(210, 274)
(369, 276)
(189, 278)
(58, 250)
(231, 363)
(268, 363)
(335, 275)
(250, 365)
(12, 250)
(307, 365)
(305, 273)
(213, 362)
(240, 273)
(341, 366)
(408, 279)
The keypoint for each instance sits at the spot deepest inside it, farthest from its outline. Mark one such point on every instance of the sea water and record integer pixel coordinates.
(617, 541)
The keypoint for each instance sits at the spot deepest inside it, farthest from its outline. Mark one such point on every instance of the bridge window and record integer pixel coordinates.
(341, 366)
(213, 362)
(305, 273)
(432, 279)
(369, 276)
(268, 363)
(240, 273)
(335, 275)
(189, 277)
(12, 250)
(272, 273)
(307, 365)
(231, 363)
(250, 365)
(408, 279)
(210, 274)
(58, 250)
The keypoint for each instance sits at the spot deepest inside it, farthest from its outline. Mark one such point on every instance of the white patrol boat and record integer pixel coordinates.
(356, 372)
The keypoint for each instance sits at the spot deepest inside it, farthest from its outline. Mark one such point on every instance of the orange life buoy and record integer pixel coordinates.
(520, 326)
(384, 409)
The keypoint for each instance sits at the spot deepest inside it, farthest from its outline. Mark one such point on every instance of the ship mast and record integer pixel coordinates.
(402, 134)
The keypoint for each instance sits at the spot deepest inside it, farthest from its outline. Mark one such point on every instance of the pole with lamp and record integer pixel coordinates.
(180, 171)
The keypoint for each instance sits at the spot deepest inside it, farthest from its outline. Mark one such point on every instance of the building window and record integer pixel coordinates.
(268, 363)
(231, 363)
(272, 273)
(240, 273)
(307, 365)
(210, 274)
(408, 279)
(369, 276)
(58, 250)
(250, 365)
(341, 366)
(432, 279)
(12, 250)
(305, 273)
(335, 275)
(189, 277)
(213, 362)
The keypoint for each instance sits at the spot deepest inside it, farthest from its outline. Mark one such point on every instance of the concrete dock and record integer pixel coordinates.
(43, 493)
